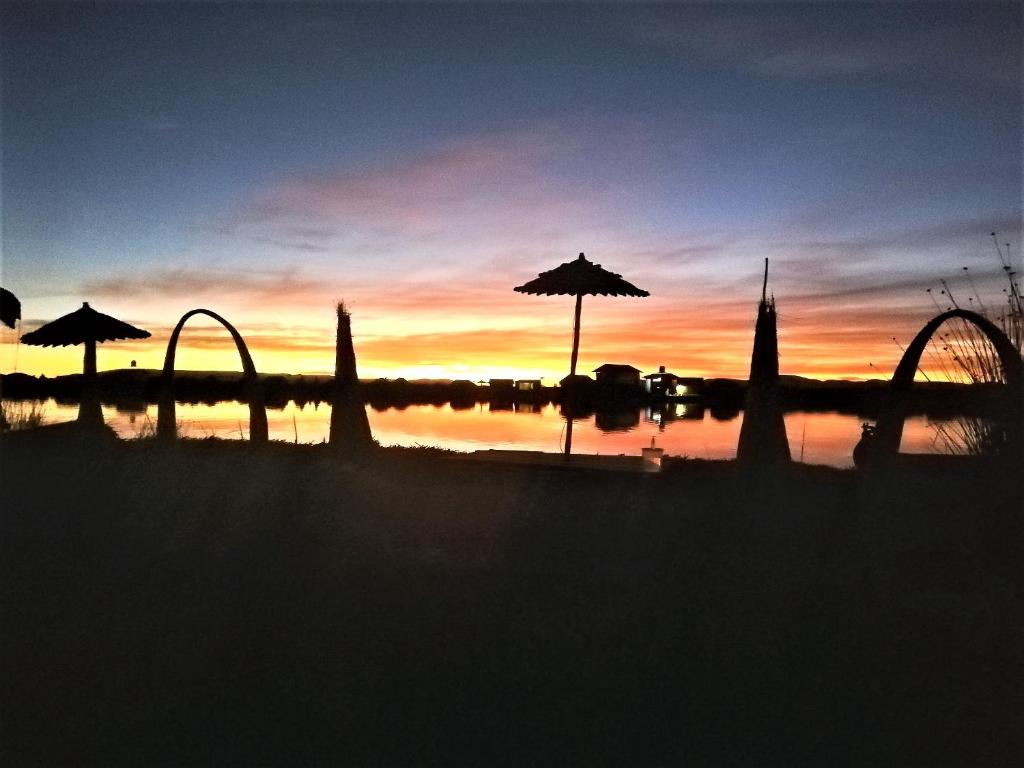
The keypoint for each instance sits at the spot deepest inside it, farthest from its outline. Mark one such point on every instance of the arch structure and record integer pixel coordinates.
(889, 430)
(166, 421)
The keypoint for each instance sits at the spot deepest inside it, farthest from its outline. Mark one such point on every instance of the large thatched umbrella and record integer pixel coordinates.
(10, 308)
(577, 278)
(89, 327)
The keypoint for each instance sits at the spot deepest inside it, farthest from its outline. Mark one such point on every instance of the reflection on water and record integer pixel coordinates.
(682, 429)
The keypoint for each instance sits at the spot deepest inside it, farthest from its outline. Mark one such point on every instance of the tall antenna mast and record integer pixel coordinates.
(764, 287)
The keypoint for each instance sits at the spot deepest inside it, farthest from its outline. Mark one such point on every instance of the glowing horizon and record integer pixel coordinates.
(527, 337)
(719, 350)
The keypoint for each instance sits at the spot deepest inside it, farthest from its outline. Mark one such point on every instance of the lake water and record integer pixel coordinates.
(682, 430)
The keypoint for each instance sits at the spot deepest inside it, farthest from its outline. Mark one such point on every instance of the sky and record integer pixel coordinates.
(418, 161)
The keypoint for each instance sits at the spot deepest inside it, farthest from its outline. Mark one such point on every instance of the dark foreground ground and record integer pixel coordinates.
(213, 605)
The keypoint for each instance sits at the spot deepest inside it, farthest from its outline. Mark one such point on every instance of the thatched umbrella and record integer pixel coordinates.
(10, 308)
(578, 278)
(89, 327)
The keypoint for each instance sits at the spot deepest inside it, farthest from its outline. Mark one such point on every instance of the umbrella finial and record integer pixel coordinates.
(85, 304)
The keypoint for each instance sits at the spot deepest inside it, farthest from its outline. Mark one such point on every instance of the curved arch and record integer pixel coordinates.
(166, 422)
(889, 431)
(1008, 357)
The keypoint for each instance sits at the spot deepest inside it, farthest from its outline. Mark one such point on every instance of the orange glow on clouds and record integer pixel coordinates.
(505, 335)
(469, 330)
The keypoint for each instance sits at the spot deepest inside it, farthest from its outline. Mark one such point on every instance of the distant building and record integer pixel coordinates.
(500, 391)
(618, 375)
(660, 383)
(528, 385)
(667, 384)
(577, 380)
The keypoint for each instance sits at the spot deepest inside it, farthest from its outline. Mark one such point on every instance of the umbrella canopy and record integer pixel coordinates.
(10, 308)
(580, 277)
(82, 326)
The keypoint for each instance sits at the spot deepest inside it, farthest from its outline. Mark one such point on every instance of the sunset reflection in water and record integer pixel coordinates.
(682, 430)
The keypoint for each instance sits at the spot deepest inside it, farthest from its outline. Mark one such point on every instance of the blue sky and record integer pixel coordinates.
(420, 160)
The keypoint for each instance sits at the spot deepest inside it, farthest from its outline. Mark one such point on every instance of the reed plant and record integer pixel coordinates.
(22, 414)
(962, 354)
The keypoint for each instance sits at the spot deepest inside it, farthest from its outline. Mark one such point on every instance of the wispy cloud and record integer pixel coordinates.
(263, 286)
(301, 246)
(510, 191)
(820, 42)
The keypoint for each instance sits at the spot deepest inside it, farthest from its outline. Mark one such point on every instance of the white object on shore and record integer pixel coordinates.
(652, 457)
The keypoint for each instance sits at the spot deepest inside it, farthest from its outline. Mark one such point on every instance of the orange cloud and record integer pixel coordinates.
(717, 349)
(286, 287)
(469, 331)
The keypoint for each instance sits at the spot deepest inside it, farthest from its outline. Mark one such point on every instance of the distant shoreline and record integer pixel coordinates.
(724, 395)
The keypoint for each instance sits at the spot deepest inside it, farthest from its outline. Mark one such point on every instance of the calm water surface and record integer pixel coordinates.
(682, 430)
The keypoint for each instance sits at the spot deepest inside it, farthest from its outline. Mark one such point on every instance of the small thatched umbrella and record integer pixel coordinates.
(89, 327)
(10, 308)
(577, 278)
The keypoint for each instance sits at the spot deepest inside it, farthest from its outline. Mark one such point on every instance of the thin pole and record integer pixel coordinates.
(576, 335)
(572, 368)
(764, 286)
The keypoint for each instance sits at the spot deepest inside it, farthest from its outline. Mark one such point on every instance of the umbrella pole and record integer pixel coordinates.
(572, 368)
(89, 361)
(576, 335)
(89, 411)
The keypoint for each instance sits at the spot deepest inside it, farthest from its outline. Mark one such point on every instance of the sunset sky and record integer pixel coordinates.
(418, 161)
